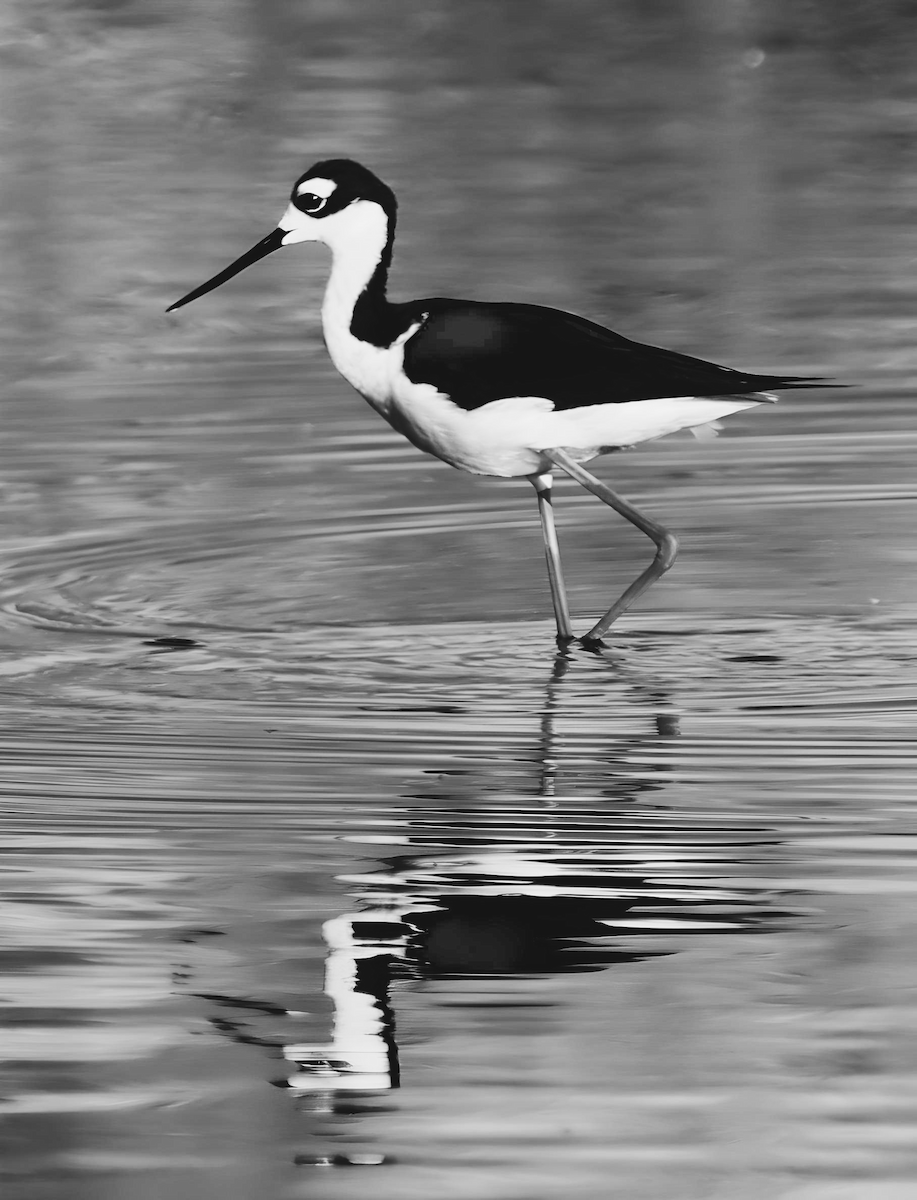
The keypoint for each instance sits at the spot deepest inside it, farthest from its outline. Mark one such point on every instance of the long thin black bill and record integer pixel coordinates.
(272, 242)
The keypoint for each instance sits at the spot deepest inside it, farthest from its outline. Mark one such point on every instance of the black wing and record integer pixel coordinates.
(477, 352)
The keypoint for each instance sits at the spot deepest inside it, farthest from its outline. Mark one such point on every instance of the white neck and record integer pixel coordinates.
(358, 244)
(357, 238)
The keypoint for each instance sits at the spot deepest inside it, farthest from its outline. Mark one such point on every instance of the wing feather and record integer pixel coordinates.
(476, 353)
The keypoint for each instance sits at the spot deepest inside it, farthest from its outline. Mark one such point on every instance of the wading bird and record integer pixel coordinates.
(496, 389)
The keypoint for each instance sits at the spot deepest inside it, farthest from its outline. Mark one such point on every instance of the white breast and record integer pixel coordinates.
(417, 410)
(375, 371)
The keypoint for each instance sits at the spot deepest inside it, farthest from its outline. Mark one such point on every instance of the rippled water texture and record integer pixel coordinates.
(322, 875)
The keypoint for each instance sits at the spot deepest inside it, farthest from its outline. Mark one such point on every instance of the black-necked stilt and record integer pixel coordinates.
(496, 389)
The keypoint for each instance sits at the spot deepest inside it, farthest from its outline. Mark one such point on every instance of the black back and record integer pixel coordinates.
(478, 352)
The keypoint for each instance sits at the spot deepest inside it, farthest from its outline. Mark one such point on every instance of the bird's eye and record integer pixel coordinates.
(308, 202)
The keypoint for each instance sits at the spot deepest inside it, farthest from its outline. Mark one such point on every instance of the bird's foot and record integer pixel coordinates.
(592, 644)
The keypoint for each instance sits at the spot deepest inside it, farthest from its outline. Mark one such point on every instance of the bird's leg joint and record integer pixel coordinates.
(666, 550)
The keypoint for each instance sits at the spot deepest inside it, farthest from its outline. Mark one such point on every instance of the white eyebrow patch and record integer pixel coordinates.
(317, 187)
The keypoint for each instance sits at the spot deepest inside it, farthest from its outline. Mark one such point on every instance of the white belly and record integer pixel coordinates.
(505, 437)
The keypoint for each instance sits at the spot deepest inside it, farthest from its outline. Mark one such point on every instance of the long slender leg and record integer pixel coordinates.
(542, 485)
(666, 545)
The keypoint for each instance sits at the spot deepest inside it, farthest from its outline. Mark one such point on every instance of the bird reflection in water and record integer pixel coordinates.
(548, 886)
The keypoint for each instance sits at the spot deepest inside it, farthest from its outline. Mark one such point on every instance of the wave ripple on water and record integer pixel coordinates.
(692, 858)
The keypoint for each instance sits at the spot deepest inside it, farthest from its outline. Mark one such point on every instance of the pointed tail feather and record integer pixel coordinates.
(796, 381)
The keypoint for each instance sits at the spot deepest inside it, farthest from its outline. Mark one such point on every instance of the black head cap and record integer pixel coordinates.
(354, 182)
